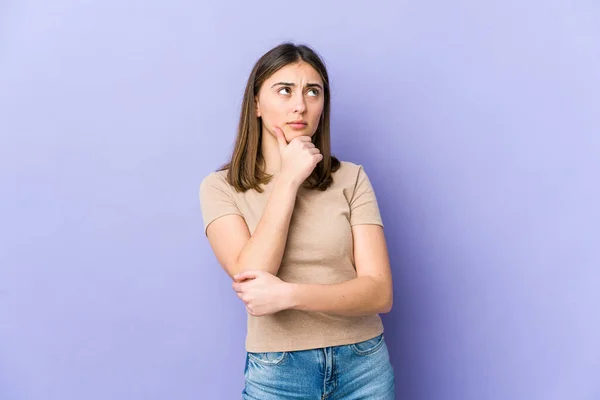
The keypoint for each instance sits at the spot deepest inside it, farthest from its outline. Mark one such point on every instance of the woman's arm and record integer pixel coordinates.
(238, 251)
(359, 296)
(370, 292)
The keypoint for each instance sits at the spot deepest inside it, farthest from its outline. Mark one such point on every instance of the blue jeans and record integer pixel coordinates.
(356, 371)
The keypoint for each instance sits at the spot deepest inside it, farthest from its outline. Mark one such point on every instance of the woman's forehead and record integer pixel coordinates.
(298, 72)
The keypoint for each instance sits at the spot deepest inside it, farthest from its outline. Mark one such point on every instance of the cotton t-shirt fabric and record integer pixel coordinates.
(319, 250)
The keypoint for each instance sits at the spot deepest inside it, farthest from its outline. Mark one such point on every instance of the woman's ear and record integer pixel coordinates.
(257, 106)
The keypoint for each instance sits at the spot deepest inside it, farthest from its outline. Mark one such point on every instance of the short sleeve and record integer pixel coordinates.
(363, 205)
(216, 199)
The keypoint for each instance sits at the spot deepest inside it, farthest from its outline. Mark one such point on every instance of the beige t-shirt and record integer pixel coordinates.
(319, 250)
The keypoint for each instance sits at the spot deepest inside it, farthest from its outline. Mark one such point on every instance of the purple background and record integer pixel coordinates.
(478, 123)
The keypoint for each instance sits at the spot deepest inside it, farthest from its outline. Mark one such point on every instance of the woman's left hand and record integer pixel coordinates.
(262, 292)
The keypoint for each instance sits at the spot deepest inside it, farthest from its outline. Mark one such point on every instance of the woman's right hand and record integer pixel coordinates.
(298, 158)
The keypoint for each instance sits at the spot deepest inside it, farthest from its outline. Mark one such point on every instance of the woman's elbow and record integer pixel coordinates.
(387, 301)
(386, 307)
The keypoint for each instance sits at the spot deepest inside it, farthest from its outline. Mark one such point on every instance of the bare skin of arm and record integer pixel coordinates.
(370, 292)
(237, 250)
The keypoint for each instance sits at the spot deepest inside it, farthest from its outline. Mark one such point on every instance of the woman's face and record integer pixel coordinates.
(293, 93)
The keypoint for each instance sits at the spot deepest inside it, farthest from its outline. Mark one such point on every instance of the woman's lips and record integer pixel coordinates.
(295, 125)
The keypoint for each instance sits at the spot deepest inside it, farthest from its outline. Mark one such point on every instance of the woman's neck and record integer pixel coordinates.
(270, 152)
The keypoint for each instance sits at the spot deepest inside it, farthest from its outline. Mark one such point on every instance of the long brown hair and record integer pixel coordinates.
(246, 167)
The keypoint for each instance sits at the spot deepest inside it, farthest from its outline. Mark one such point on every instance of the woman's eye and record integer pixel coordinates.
(315, 91)
(284, 88)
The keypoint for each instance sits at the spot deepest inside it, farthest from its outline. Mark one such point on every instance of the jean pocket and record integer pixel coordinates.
(269, 357)
(368, 346)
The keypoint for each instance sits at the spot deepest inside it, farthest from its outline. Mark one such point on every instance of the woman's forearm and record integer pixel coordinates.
(360, 296)
(264, 249)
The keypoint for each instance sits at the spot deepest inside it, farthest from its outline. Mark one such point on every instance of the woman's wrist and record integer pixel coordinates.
(287, 182)
(290, 296)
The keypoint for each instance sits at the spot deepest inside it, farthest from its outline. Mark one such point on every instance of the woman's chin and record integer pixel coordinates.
(294, 134)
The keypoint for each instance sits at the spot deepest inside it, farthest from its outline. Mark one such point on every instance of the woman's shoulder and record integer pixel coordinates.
(215, 179)
(348, 166)
(347, 174)
(348, 171)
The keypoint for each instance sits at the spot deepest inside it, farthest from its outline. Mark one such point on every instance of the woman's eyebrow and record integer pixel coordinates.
(293, 84)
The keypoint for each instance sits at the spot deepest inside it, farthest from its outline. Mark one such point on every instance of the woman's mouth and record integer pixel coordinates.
(297, 124)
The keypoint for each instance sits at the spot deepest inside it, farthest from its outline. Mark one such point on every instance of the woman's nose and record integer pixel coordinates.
(300, 104)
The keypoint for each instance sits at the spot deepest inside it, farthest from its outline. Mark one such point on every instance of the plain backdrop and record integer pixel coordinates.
(477, 121)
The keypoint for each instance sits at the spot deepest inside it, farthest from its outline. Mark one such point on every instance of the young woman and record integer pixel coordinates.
(300, 234)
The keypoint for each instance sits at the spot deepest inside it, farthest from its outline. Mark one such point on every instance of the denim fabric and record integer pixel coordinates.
(350, 372)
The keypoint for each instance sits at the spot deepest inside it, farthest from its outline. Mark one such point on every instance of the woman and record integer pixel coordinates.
(300, 234)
